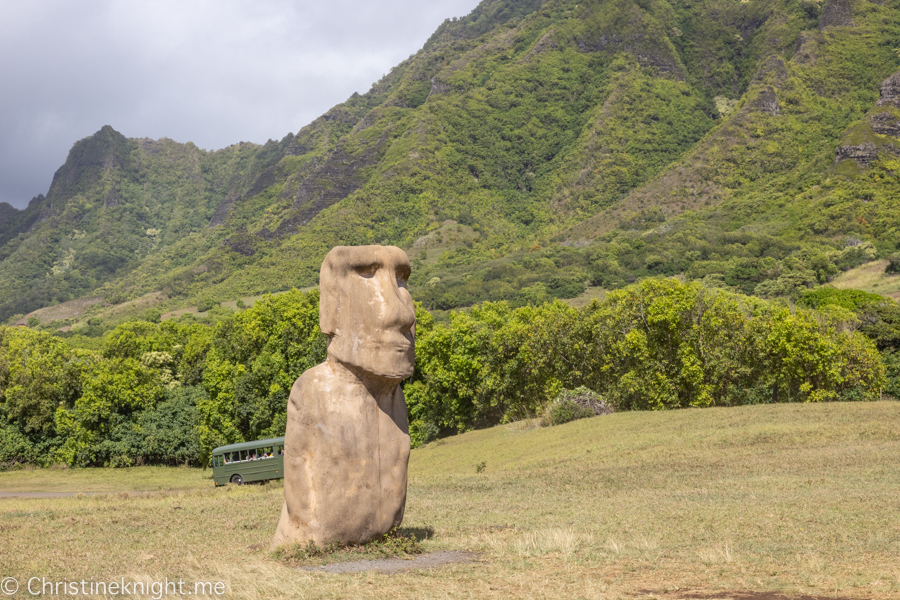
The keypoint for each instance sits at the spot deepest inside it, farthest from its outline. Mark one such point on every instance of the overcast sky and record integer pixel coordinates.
(212, 72)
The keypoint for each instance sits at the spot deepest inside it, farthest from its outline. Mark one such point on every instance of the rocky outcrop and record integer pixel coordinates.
(890, 91)
(339, 115)
(837, 13)
(772, 72)
(885, 123)
(222, 210)
(263, 176)
(806, 52)
(112, 198)
(265, 180)
(633, 31)
(647, 52)
(438, 87)
(45, 213)
(544, 44)
(338, 176)
(90, 158)
(151, 147)
(864, 154)
(7, 212)
(767, 102)
(243, 242)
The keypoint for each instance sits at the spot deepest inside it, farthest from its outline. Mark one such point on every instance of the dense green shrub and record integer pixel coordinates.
(563, 410)
(892, 374)
(166, 434)
(17, 450)
(655, 345)
(253, 360)
(587, 399)
(893, 266)
(167, 393)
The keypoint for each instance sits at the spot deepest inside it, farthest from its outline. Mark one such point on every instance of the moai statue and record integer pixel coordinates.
(347, 440)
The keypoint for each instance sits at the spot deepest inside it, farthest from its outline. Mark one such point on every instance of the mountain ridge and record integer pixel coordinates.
(558, 131)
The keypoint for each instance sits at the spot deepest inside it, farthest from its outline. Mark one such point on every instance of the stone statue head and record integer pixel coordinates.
(366, 310)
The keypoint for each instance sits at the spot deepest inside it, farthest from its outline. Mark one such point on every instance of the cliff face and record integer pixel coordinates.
(890, 91)
(523, 125)
(878, 135)
(7, 214)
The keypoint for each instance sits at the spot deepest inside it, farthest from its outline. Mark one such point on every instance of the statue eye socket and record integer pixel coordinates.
(402, 275)
(367, 271)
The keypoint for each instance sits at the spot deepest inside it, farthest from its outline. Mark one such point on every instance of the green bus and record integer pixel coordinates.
(248, 461)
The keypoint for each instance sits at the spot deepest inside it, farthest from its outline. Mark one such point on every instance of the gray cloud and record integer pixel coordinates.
(213, 72)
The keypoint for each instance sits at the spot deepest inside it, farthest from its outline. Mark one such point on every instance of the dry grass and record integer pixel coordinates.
(870, 277)
(589, 295)
(136, 479)
(800, 499)
(251, 300)
(66, 310)
(172, 314)
(133, 307)
(450, 235)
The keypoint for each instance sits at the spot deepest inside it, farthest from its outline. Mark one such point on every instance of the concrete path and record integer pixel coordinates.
(396, 565)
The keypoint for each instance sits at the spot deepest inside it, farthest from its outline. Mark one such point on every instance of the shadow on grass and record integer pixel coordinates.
(399, 542)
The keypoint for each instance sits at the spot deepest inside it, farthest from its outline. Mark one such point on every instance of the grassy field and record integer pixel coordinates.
(870, 277)
(795, 499)
(137, 479)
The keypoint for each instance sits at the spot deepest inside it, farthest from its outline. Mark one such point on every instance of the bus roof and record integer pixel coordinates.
(250, 445)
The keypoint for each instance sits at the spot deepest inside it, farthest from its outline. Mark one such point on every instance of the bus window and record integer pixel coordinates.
(264, 452)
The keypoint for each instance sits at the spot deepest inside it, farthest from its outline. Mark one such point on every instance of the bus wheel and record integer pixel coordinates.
(237, 480)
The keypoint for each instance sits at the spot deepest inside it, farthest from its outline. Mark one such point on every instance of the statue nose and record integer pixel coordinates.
(399, 310)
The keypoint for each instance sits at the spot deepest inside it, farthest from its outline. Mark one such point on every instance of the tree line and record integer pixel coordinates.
(170, 392)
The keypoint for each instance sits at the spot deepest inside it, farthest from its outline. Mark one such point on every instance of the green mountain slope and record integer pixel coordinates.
(528, 149)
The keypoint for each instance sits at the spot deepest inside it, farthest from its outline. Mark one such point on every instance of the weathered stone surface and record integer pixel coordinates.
(864, 154)
(767, 102)
(890, 91)
(224, 207)
(807, 49)
(885, 123)
(45, 213)
(347, 440)
(837, 13)
(333, 179)
(636, 35)
(243, 242)
(7, 213)
(438, 87)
